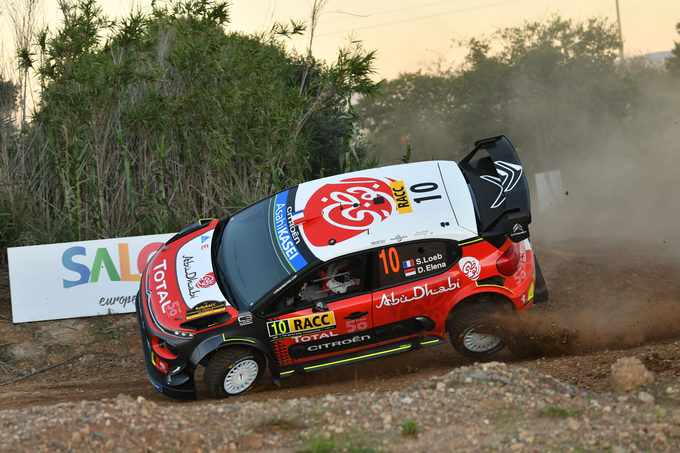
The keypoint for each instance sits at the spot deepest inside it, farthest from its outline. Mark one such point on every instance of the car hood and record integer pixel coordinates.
(180, 281)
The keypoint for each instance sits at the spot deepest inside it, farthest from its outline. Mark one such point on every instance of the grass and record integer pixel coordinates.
(558, 412)
(280, 423)
(330, 444)
(410, 428)
(320, 444)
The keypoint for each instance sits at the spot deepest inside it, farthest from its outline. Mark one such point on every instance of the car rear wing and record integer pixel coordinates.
(499, 189)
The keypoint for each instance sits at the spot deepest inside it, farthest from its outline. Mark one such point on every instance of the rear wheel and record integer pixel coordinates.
(476, 328)
(233, 371)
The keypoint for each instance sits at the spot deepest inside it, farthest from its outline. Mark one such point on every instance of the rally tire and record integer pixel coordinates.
(464, 326)
(232, 371)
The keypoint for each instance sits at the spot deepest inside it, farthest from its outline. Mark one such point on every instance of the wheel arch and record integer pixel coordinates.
(209, 347)
(495, 296)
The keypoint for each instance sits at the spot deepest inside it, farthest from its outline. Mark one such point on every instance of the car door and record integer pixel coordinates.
(326, 313)
(413, 288)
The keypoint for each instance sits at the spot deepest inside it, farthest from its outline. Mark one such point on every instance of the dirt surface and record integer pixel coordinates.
(607, 302)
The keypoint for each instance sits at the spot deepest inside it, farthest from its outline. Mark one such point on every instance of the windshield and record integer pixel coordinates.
(260, 247)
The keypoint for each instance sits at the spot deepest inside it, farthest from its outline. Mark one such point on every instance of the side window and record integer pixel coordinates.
(413, 261)
(330, 281)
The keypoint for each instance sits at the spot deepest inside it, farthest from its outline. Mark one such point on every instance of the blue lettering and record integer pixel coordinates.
(67, 261)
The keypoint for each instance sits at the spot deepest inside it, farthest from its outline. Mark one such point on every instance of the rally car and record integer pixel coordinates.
(343, 269)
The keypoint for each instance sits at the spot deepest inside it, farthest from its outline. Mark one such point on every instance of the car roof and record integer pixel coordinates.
(378, 207)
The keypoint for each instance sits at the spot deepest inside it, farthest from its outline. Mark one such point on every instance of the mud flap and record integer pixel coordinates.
(540, 288)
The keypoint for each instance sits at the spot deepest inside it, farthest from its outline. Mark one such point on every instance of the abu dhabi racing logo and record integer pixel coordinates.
(207, 280)
(470, 267)
(508, 177)
(347, 208)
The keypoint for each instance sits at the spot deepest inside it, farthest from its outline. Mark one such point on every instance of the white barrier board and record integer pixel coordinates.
(76, 279)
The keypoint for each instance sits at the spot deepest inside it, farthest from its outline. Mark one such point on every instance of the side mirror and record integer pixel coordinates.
(320, 305)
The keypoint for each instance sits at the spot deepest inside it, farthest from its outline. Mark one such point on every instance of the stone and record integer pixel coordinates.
(645, 397)
(628, 374)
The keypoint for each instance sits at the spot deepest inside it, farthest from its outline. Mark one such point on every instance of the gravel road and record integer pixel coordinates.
(484, 407)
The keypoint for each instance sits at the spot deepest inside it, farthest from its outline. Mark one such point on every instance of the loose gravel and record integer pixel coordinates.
(484, 407)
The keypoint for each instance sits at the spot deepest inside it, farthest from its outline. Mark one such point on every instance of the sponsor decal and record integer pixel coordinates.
(206, 281)
(419, 292)
(316, 336)
(102, 260)
(508, 177)
(520, 276)
(345, 209)
(157, 386)
(187, 261)
(530, 295)
(159, 364)
(297, 217)
(421, 233)
(401, 197)
(470, 267)
(381, 241)
(287, 233)
(398, 238)
(286, 283)
(292, 327)
(169, 307)
(244, 320)
(205, 239)
(206, 308)
(356, 324)
(336, 344)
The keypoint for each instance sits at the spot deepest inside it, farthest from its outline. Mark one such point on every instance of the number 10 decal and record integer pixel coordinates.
(393, 260)
(422, 188)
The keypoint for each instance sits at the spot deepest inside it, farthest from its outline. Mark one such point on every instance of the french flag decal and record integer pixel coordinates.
(298, 217)
(408, 263)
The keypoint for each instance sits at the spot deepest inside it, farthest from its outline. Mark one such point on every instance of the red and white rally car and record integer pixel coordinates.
(343, 269)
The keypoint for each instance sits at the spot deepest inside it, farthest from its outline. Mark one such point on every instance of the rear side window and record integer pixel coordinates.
(413, 261)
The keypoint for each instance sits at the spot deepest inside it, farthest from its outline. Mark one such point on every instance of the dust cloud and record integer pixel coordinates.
(608, 244)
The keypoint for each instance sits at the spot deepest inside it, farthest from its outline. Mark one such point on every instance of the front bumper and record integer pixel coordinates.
(186, 388)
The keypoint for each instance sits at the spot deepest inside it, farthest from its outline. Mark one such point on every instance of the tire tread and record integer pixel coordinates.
(215, 369)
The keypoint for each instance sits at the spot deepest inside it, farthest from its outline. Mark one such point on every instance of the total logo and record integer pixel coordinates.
(470, 267)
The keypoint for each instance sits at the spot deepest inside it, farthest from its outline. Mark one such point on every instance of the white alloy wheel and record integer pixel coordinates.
(241, 376)
(480, 342)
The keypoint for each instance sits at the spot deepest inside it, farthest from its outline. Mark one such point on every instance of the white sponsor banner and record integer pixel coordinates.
(76, 279)
(549, 189)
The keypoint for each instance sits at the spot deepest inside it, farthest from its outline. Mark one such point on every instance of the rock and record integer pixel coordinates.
(645, 397)
(628, 374)
(441, 385)
(251, 443)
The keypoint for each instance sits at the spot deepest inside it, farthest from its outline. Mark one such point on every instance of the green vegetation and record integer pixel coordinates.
(351, 443)
(558, 412)
(279, 422)
(555, 88)
(410, 428)
(142, 125)
(146, 123)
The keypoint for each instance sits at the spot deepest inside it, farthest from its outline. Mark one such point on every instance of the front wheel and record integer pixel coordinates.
(233, 371)
(475, 329)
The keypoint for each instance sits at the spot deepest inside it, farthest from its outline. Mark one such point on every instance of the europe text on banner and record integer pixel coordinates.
(77, 279)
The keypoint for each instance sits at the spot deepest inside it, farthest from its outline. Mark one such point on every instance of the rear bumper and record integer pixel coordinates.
(185, 389)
